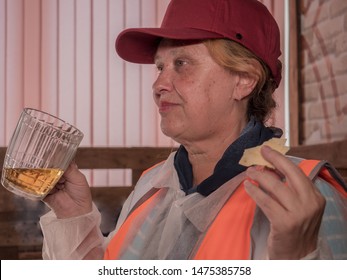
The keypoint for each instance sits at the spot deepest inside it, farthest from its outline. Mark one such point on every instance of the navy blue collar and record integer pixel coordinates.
(254, 134)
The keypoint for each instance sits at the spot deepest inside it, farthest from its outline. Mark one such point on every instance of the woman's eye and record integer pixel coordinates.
(159, 68)
(180, 62)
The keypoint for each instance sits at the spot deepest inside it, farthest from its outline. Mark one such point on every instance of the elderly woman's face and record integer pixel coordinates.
(195, 95)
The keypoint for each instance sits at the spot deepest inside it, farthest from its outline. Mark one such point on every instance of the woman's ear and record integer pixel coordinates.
(244, 86)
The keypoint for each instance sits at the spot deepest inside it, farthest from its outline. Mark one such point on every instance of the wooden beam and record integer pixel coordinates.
(335, 153)
(137, 158)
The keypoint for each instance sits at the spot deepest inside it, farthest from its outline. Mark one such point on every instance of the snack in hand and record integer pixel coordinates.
(253, 156)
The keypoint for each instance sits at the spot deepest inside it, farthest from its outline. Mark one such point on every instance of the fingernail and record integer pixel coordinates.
(249, 182)
(248, 185)
(260, 168)
(250, 171)
(266, 148)
(252, 168)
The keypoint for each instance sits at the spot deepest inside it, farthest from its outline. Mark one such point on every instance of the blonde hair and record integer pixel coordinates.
(238, 59)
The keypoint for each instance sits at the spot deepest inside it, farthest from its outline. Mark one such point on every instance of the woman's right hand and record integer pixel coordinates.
(71, 196)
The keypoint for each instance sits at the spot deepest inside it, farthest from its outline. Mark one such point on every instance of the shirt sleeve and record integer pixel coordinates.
(72, 238)
(80, 237)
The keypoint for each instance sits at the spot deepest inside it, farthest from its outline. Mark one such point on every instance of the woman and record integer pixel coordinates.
(216, 76)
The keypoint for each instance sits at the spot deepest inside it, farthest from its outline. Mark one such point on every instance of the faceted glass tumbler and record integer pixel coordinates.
(41, 148)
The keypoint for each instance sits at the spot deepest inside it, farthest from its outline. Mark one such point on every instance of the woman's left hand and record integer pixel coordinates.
(293, 205)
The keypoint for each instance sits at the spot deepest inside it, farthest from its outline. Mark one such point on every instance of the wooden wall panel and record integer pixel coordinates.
(116, 75)
(49, 56)
(132, 77)
(148, 129)
(14, 100)
(32, 53)
(66, 60)
(83, 69)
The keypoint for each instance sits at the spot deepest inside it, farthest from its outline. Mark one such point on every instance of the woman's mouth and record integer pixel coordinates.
(165, 106)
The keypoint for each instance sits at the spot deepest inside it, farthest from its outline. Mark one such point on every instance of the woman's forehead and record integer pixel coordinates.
(177, 47)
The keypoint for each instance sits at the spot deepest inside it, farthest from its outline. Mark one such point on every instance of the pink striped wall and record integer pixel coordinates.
(58, 56)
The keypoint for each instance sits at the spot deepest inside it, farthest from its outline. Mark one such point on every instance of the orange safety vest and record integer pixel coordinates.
(221, 241)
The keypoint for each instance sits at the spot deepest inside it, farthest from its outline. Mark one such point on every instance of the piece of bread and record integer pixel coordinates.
(253, 156)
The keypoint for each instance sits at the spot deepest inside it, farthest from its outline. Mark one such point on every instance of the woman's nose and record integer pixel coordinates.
(163, 82)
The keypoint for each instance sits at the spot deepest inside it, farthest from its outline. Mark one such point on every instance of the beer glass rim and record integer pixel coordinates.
(78, 133)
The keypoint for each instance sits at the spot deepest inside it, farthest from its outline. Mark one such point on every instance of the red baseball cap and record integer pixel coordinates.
(247, 22)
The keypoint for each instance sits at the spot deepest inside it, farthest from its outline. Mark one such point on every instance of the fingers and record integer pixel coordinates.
(293, 205)
(266, 203)
(74, 175)
(294, 175)
(71, 177)
(292, 192)
(295, 178)
(272, 191)
(280, 187)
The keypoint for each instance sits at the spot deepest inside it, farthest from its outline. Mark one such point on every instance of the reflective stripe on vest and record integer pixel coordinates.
(115, 246)
(309, 165)
(229, 235)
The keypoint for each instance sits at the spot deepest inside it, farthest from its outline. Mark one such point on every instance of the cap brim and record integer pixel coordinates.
(139, 45)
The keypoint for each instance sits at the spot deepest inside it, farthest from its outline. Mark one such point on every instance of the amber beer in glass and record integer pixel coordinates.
(41, 148)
